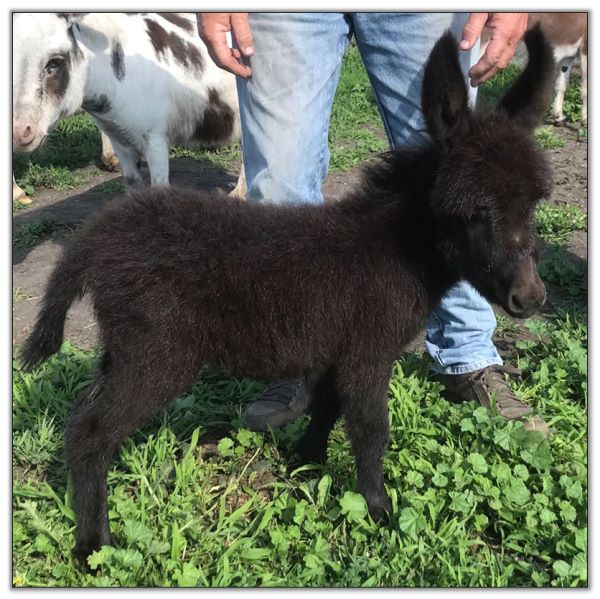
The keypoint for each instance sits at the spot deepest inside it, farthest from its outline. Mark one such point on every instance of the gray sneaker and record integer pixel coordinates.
(487, 385)
(280, 403)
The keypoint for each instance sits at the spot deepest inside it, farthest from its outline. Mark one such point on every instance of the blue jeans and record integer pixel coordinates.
(285, 108)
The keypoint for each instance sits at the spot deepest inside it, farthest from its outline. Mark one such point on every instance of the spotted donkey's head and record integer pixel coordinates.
(48, 75)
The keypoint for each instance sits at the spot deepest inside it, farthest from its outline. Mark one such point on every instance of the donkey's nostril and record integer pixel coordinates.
(542, 299)
(522, 305)
(515, 304)
(23, 136)
(27, 134)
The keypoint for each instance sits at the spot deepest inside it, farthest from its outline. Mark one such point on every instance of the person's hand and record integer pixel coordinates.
(213, 27)
(506, 29)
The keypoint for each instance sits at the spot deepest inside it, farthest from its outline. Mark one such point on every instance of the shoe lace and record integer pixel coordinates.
(282, 391)
(493, 380)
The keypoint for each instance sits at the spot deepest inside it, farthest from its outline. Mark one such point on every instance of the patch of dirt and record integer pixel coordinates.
(570, 173)
(32, 266)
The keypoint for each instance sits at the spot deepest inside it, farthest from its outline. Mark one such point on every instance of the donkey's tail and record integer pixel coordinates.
(67, 283)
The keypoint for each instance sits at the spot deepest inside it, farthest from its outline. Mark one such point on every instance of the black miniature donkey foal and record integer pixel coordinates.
(182, 280)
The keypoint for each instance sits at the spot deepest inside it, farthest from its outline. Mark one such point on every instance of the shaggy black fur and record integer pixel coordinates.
(182, 280)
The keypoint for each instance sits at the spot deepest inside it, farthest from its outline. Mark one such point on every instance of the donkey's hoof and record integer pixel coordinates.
(83, 549)
(379, 507)
(560, 122)
(311, 453)
(112, 163)
(81, 553)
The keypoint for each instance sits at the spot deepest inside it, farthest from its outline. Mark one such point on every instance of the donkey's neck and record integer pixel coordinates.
(393, 209)
(397, 185)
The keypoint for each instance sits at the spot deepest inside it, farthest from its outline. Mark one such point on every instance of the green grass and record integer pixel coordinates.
(226, 158)
(572, 102)
(355, 128)
(505, 326)
(547, 138)
(493, 91)
(18, 206)
(555, 222)
(18, 295)
(55, 177)
(29, 234)
(476, 502)
(112, 186)
(559, 267)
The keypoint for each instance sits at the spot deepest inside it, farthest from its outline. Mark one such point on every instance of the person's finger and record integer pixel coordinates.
(213, 28)
(483, 77)
(489, 64)
(223, 57)
(472, 29)
(506, 28)
(242, 33)
(498, 59)
(485, 63)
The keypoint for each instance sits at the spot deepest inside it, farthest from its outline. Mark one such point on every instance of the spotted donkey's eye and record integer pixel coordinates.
(54, 64)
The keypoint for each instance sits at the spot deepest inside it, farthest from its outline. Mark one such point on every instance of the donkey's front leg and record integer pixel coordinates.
(156, 152)
(364, 405)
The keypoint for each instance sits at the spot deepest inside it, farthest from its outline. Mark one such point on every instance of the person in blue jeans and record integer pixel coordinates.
(288, 66)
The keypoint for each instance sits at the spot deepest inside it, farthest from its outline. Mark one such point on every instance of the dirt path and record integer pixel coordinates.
(68, 209)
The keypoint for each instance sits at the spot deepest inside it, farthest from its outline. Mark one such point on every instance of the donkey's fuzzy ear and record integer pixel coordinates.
(445, 101)
(529, 98)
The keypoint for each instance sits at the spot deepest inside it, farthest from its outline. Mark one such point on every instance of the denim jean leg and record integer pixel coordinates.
(286, 104)
(394, 48)
(459, 332)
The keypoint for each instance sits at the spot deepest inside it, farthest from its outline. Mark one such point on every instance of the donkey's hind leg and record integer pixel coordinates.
(124, 397)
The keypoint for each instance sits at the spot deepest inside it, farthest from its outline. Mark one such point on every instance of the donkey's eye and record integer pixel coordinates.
(54, 64)
(478, 215)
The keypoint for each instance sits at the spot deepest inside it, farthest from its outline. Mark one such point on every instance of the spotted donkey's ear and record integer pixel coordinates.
(445, 100)
(529, 97)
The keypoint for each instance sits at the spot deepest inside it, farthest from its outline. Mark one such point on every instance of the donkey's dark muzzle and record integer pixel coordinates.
(523, 305)
(527, 293)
